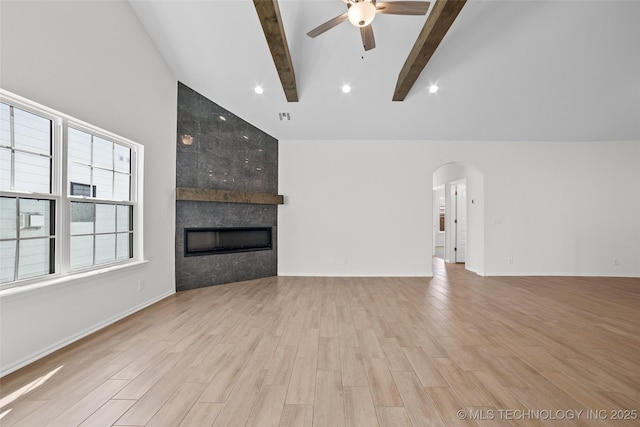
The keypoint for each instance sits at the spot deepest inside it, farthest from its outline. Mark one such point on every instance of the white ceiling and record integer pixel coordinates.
(507, 70)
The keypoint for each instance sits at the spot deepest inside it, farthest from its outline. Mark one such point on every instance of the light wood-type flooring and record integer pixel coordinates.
(453, 350)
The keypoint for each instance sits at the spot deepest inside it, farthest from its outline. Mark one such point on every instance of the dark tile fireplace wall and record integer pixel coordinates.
(228, 154)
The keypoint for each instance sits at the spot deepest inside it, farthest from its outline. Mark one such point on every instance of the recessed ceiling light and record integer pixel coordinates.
(222, 118)
(346, 89)
(433, 88)
(259, 90)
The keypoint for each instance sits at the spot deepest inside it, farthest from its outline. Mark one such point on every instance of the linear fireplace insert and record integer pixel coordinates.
(208, 241)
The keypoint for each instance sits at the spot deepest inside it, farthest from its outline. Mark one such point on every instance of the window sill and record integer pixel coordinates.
(67, 279)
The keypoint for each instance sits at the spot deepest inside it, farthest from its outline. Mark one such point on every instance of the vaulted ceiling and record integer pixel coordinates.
(506, 70)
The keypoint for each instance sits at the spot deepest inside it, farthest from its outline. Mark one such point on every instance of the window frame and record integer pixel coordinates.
(62, 198)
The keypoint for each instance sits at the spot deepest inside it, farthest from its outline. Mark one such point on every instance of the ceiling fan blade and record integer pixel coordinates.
(327, 25)
(403, 7)
(368, 40)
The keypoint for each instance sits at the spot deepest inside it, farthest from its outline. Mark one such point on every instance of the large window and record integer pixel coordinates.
(68, 194)
(99, 172)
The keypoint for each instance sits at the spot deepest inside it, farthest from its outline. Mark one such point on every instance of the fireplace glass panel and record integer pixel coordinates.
(207, 241)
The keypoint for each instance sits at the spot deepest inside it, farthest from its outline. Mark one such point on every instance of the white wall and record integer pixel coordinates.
(93, 61)
(559, 208)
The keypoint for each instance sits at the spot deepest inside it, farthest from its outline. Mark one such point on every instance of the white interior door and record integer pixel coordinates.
(460, 222)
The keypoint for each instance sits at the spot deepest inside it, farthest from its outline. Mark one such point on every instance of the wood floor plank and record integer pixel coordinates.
(328, 354)
(396, 358)
(267, 411)
(498, 395)
(108, 413)
(138, 387)
(18, 411)
(178, 405)
(281, 366)
(230, 370)
(369, 343)
(89, 404)
(149, 403)
(237, 407)
(424, 368)
(201, 414)
(67, 397)
(359, 408)
(328, 326)
(297, 416)
(347, 334)
(328, 408)
(140, 364)
(448, 406)
(419, 406)
(383, 388)
(390, 416)
(352, 367)
(462, 382)
(302, 384)
(209, 366)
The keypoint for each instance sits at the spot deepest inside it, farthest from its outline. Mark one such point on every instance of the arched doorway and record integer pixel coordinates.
(458, 227)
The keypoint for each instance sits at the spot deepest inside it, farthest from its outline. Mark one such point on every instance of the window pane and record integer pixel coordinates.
(31, 132)
(105, 248)
(7, 218)
(122, 158)
(79, 146)
(35, 218)
(82, 218)
(105, 218)
(81, 251)
(5, 125)
(34, 258)
(124, 245)
(124, 218)
(32, 173)
(102, 153)
(5, 169)
(7, 261)
(80, 180)
(103, 180)
(121, 187)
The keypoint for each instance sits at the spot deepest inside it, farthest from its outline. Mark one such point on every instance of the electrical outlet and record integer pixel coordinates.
(509, 260)
(140, 285)
(616, 261)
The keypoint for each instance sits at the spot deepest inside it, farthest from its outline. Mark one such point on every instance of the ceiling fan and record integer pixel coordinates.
(361, 13)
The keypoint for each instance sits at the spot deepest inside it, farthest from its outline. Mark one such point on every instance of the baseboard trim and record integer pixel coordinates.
(6, 370)
(352, 275)
(561, 274)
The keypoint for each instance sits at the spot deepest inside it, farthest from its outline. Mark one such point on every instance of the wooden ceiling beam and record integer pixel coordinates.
(271, 21)
(440, 19)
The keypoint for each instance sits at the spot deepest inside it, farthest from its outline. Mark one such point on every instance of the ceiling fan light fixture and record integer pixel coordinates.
(361, 13)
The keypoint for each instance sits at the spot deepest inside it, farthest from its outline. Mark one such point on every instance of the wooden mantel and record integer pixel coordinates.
(227, 196)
